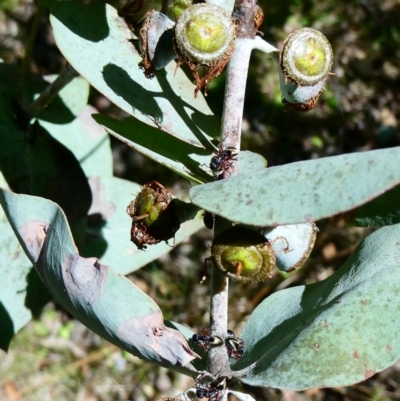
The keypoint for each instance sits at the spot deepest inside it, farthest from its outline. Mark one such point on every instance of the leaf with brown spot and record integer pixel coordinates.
(106, 302)
(301, 192)
(322, 334)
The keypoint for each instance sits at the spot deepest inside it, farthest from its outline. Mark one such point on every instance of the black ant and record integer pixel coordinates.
(206, 341)
(222, 162)
(234, 345)
(214, 391)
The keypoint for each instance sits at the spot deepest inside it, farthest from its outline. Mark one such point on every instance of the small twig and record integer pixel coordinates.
(51, 91)
(30, 44)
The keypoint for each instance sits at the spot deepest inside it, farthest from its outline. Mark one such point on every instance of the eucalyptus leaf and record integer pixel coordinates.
(31, 160)
(185, 159)
(333, 333)
(72, 98)
(98, 44)
(109, 227)
(227, 4)
(95, 294)
(301, 192)
(83, 137)
(292, 244)
(22, 294)
(384, 210)
(89, 143)
(250, 161)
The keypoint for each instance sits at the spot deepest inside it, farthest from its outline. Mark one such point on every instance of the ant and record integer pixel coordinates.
(214, 391)
(222, 162)
(206, 341)
(234, 345)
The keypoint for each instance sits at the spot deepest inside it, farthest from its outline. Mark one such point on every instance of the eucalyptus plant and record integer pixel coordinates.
(333, 333)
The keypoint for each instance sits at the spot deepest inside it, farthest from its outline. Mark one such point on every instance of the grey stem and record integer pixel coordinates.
(263, 46)
(51, 91)
(236, 76)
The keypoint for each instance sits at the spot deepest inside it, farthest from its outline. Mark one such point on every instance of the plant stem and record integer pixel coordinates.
(236, 77)
(218, 363)
(51, 91)
(265, 47)
(26, 63)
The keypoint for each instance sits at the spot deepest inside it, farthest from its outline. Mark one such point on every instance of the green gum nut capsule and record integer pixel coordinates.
(204, 33)
(204, 36)
(243, 255)
(154, 216)
(149, 204)
(305, 62)
(306, 57)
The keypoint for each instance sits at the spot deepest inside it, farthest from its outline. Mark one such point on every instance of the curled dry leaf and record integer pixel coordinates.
(156, 37)
(258, 17)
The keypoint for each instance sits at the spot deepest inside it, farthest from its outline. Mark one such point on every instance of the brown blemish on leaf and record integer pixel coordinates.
(388, 347)
(356, 355)
(369, 373)
(157, 331)
(33, 234)
(84, 278)
(150, 332)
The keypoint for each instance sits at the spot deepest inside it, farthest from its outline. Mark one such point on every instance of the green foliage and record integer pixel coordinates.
(7, 5)
(99, 46)
(323, 334)
(67, 211)
(95, 294)
(302, 191)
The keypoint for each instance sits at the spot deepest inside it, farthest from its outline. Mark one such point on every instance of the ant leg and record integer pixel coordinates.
(285, 249)
(205, 270)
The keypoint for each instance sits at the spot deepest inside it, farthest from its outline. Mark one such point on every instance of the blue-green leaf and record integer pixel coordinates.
(227, 4)
(22, 293)
(98, 44)
(69, 102)
(106, 302)
(333, 333)
(31, 160)
(86, 140)
(185, 159)
(303, 191)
